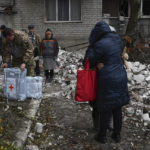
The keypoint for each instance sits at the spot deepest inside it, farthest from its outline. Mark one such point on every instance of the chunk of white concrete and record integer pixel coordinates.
(139, 78)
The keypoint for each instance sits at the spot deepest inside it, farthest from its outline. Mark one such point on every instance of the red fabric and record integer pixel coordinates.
(86, 84)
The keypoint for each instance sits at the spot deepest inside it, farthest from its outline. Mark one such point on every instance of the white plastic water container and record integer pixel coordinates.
(22, 86)
(15, 84)
(34, 87)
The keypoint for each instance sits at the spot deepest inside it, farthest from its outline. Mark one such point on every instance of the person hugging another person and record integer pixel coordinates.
(105, 53)
(49, 52)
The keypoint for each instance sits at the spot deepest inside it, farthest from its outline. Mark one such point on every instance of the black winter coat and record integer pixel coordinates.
(106, 47)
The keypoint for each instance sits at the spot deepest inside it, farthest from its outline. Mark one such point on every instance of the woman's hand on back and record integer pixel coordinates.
(100, 66)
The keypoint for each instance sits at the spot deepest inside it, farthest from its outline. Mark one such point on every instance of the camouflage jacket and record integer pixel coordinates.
(38, 41)
(21, 49)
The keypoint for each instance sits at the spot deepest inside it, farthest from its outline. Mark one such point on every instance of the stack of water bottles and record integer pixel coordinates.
(17, 86)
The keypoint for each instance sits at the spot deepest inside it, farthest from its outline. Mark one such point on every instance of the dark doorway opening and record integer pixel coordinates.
(116, 8)
(146, 7)
(124, 8)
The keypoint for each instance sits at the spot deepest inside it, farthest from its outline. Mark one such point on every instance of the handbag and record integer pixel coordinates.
(86, 89)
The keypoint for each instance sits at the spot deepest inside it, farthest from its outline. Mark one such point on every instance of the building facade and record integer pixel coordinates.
(70, 20)
(73, 28)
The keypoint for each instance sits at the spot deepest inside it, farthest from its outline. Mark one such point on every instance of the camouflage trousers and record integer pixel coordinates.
(30, 66)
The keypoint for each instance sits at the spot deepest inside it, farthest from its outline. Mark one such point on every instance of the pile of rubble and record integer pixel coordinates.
(66, 74)
(139, 78)
(70, 62)
(139, 81)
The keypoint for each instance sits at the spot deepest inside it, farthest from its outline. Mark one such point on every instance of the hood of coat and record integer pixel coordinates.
(100, 29)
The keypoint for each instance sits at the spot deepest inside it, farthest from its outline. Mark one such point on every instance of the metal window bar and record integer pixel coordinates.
(56, 10)
(70, 10)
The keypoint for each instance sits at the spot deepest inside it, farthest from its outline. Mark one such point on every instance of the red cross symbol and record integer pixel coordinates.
(11, 87)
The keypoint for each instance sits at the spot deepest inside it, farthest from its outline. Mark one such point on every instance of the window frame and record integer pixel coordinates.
(57, 21)
(141, 11)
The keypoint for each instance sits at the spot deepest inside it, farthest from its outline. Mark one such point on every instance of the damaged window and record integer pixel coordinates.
(115, 8)
(63, 10)
(123, 8)
(146, 7)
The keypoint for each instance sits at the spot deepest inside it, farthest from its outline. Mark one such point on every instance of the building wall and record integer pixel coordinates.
(5, 19)
(67, 33)
(33, 12)
(4, 2)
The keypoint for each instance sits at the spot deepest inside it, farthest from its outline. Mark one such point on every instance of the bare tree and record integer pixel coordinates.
(135, 6)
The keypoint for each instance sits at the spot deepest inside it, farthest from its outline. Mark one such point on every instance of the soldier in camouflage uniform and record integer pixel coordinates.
(18, 46)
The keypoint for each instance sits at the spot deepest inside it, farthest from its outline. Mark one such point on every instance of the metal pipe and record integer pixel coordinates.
(75, 45)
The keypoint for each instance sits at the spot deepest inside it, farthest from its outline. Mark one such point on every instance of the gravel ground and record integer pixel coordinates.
(12, 117)
(68, 125)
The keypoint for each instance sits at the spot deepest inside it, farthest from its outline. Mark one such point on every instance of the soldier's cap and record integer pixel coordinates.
(3, 27)
(30, 26)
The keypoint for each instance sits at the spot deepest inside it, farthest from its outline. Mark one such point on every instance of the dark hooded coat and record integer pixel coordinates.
(106, 47)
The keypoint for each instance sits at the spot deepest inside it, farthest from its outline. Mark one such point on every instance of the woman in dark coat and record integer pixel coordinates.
(105, 52)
